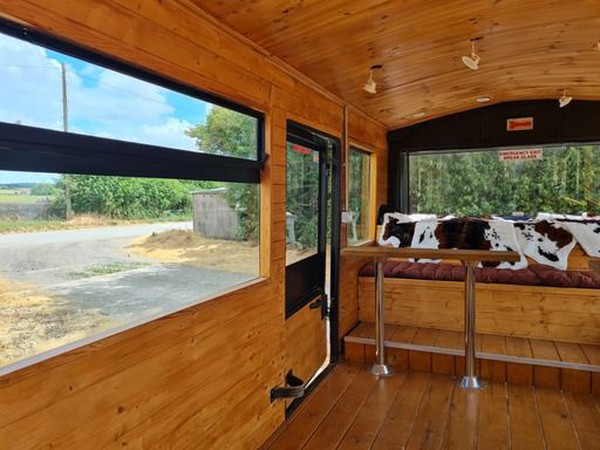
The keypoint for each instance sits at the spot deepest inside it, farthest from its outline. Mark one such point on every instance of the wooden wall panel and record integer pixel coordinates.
(552, 313)
(200, 377)
(305, 331)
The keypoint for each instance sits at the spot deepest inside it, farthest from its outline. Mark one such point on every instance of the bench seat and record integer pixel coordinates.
(534, 275)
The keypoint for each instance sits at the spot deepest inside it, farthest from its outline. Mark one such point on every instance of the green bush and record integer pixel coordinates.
(122, 197)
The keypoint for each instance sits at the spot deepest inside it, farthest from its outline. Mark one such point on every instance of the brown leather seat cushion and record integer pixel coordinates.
(535, 275)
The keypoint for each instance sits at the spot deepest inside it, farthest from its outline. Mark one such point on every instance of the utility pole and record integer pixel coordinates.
(65, 111)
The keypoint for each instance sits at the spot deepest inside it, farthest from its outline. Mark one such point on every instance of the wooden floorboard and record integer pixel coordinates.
(526, 431)
(428, 430)
(461, 429)
(399, 423)
(557, 425)
(370, 418)
(332, 429)
(493, 430)
(351, 409)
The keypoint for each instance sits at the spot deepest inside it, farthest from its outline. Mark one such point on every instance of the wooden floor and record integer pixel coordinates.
(574, 367)
(351, 409)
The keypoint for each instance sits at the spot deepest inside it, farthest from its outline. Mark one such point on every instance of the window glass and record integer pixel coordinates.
(302, 202)
(54, 91)
(132, 249)
(359, 195)
(560, 179)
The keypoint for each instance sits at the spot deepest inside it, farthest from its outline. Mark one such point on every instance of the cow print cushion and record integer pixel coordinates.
(464, 233)
(546, 242)
(586, 232)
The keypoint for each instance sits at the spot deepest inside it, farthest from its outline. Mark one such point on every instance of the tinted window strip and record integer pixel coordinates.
(32, 149)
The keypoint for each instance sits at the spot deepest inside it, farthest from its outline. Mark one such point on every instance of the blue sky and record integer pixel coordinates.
(101, 102)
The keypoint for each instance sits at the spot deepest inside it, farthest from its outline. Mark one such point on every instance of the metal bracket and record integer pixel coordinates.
(294, 388)
(321, 302)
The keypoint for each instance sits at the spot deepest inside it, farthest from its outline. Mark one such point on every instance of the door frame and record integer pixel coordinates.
(335, 169)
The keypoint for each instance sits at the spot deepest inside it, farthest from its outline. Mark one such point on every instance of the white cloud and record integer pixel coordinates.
(29, 85)
(100, 102)
(165, 134)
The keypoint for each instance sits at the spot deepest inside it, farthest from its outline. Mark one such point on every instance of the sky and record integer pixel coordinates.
(101, 102)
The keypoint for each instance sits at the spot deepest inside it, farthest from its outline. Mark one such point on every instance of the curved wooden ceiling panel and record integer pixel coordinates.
(530, 49)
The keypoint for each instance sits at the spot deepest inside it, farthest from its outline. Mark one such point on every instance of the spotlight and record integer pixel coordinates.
(371, 86)
(482, 99)
(418, 115)
(472, 61)
(564, 100)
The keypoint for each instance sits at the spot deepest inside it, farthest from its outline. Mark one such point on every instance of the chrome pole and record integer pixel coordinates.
(470, 379)
(380, 368)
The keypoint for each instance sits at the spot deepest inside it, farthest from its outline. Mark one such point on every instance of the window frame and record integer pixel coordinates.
(370, 236)
(33, 149)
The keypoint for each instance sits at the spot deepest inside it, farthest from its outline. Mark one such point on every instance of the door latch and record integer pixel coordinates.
(321, 302)
(294, 388)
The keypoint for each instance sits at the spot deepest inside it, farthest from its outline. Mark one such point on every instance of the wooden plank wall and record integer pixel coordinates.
(364, 134)
(200, 377)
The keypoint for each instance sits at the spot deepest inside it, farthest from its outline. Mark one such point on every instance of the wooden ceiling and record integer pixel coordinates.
(530, 49)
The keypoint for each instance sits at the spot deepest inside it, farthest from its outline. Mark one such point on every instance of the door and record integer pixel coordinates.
(307, 212)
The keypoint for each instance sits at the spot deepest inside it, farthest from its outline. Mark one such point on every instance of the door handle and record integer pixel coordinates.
(316, 304)
(294, 388)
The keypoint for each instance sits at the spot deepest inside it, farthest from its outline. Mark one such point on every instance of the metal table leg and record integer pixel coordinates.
(380, 368)
(470, 380)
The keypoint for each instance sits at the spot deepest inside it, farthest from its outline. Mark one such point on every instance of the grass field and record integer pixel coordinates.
(13, 196)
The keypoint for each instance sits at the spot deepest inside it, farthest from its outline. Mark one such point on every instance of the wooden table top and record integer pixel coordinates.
(382, 253)
(595, 264)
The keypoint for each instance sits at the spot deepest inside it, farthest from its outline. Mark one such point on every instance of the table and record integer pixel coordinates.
(469, 258)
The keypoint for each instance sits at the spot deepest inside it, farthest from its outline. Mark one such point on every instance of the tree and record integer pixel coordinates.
(42, 189)
(566, 180)
(229, 133)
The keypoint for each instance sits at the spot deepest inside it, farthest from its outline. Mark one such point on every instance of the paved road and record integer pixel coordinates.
(51, 262)
(21, 240)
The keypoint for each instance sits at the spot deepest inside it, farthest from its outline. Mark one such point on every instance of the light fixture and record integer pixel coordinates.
(371, 86)
(472, 61)
(564, 100)
(482, 99)
(418, 115)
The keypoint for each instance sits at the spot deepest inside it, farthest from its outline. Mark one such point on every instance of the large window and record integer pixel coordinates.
(122, 198)
(54, 91)
(359, 195)
(561, 179)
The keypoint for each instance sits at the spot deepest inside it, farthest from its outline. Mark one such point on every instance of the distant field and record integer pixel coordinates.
(16, 198)
(13, 191)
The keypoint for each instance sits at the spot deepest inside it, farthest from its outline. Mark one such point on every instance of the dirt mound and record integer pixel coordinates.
(173, 239)
(187, 247)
